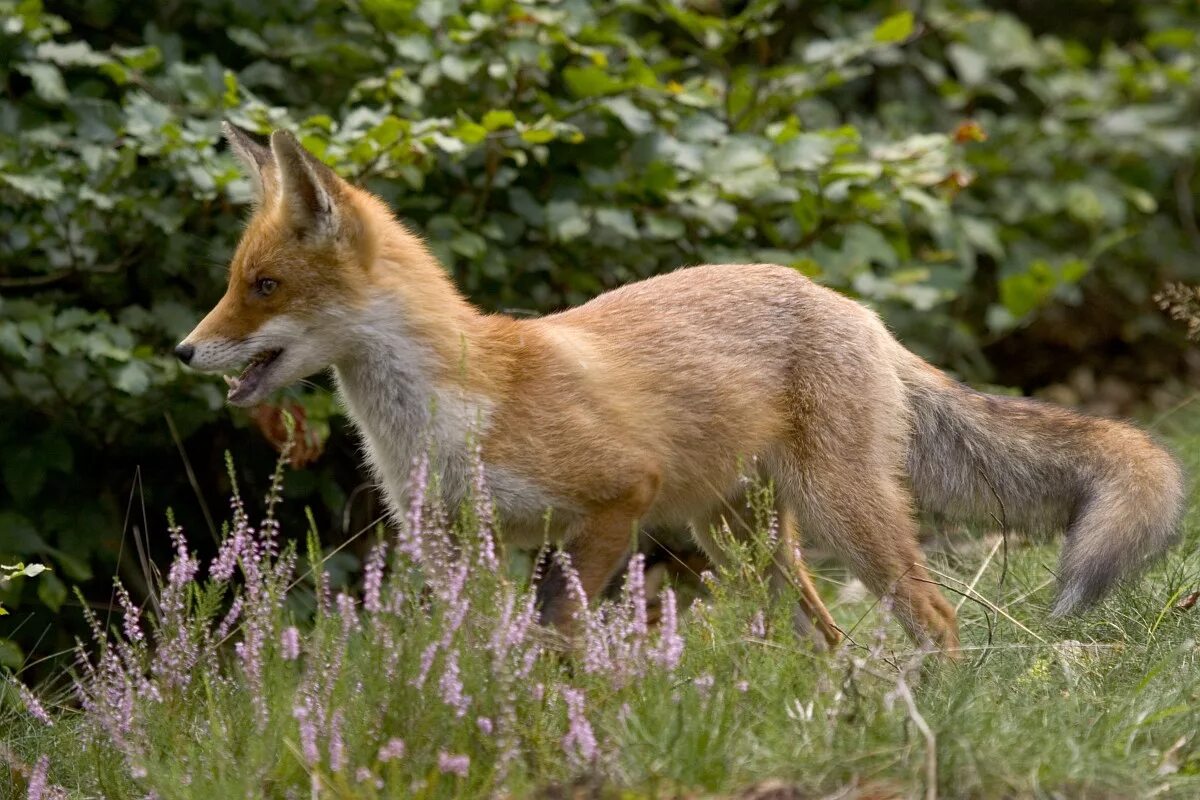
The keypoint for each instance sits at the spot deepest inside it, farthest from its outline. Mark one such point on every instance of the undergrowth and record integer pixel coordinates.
(251, 677)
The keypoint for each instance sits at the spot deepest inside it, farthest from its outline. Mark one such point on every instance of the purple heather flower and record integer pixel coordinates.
(579, 743)
(337, 747)
(408, 539)
(347, 610)
(772, 529)
(133, 630)
(32, 704)
(670, 643)
(635, 595)
(453, 764)
(177, 651)
(394, 749)
(451, 686)
(485, 725)
(391, 751)
(308, 735)
(427, 656)
(373, 578)
(231, 618)
(289, 643)
(483, 514)
(37, 781)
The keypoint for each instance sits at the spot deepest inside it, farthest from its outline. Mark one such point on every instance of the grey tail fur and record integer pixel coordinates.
(1117, 493)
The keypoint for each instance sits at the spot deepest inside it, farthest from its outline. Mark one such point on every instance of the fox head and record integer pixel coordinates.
(297, 276)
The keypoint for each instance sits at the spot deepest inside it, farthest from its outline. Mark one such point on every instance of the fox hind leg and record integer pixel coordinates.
(811, 617)
(865, 514)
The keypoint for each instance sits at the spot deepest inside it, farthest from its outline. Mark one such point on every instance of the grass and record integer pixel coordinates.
(430, 683)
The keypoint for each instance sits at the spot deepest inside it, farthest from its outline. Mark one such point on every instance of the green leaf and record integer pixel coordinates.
(495, 120)
(590, 81)
(132, 378)
(895, 28)
(24, 473)
(565, 220)
(469, 244)
(47, 81)
(806, 151)
(1023, 292)
(471, 132)
(636, 120)
(74, 54)
(618, 220)
(11, 654)
(741, 167)
(39, 187)
(537, 135)
(52, 591)
(17, 534)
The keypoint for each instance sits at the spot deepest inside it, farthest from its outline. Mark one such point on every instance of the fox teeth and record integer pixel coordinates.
(231, 381)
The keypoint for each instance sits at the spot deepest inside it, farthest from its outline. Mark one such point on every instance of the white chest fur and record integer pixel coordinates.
(402, 414)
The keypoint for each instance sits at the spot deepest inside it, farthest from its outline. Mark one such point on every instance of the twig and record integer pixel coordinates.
(930, 740)
(986, 616)
(1002, 521)
(977, 596)
(979, 573)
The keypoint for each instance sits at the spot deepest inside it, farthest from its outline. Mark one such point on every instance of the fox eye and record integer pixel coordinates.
(264, 286)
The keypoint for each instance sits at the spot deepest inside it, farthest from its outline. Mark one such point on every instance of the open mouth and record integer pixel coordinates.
(246, 384)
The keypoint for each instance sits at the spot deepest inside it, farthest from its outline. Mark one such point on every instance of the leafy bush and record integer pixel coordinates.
(975, 181)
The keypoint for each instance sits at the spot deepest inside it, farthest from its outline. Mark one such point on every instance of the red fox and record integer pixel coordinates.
(641, 406)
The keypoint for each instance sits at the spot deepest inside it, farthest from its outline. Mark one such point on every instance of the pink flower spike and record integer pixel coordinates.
(289, 643)
(453, 764)
(391, 751)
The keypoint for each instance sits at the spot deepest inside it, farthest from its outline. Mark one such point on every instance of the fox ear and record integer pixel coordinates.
(308, 189)
(255, 157)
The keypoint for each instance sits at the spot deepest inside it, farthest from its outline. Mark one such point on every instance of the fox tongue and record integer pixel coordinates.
(245, 384)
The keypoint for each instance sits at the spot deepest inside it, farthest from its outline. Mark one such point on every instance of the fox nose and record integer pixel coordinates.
(184, 353)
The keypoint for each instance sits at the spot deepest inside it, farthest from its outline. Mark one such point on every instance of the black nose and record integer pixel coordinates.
(184, 353)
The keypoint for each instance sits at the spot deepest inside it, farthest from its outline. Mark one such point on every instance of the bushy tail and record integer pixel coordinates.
(1117, 493)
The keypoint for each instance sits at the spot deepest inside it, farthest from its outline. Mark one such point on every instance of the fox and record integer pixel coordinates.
(642, 407)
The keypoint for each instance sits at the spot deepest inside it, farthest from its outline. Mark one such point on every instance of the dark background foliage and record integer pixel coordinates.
(1008, 183)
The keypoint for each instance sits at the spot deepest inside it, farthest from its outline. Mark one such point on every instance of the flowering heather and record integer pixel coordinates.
(373, 578)
(432, 678)
(579, 742)
(670, 642)
(337, 747)
(454, 764)
(32, 704)
(391, 750)
(37, 781)
(289, 643)
(451, 686)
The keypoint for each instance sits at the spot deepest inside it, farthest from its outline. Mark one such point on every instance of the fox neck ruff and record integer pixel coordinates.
(406, 403)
